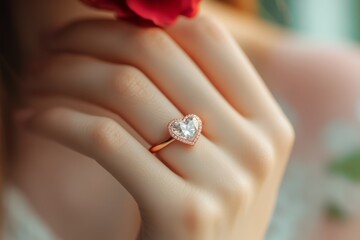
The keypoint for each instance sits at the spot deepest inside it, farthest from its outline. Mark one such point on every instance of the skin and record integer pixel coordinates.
(109, 105)
(294, 68)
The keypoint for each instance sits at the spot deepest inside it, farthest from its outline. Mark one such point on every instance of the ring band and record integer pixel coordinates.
(186, 130)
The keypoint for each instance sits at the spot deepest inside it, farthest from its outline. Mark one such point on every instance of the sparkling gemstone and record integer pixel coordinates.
(186, 129)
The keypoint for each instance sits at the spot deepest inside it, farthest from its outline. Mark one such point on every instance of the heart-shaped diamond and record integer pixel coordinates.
(186, 130)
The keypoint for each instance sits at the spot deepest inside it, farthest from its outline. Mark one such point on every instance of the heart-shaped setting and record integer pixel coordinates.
(186, 130)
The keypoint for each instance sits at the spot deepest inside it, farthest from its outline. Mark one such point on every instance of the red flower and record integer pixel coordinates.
(158, 12)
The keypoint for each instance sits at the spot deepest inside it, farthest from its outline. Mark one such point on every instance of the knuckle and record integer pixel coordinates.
(288, 133)
(259, 154)
(284, 134)
(131, 85)
(264, 157)
(107, 135)
(211, 27)
(201, 212)
(237, 193)
(153, 40)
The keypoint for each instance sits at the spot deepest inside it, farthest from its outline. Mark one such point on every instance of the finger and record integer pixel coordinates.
(133, 97)
(113, 148)
(44, 102)
(175, 74)
(121, 89)
(226, 66)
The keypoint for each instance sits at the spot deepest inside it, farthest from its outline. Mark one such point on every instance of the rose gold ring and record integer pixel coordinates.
(186, 130)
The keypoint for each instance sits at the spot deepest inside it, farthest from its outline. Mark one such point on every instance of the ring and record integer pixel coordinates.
(186, 130)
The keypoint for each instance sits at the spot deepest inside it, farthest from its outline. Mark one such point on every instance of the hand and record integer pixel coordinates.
(139, 79)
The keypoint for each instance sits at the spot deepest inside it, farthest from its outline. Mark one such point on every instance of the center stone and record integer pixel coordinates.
(187, 129)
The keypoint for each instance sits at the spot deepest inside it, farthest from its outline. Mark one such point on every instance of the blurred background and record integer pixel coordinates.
(320, 194)
(326, 20)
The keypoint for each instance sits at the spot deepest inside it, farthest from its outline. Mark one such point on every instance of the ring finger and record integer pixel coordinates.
(127, 92)
(176, 75)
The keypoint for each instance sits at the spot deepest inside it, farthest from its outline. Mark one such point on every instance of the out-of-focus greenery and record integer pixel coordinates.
(275, 11)
(286, 12)
(355, 14)
(348, 166)
(335, 212)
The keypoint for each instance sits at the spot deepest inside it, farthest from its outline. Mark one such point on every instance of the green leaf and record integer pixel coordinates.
(276, 11)
(335, 212)
(348, 166)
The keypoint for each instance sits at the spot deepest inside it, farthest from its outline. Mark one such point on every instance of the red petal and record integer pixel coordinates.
(161, 12)
(190, 7)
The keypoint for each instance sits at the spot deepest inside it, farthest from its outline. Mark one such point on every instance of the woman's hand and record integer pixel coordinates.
(135, 81)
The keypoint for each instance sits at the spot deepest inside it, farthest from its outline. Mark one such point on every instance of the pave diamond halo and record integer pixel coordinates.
(186, 130)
